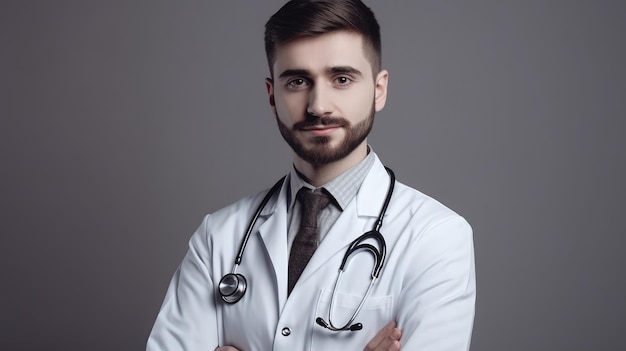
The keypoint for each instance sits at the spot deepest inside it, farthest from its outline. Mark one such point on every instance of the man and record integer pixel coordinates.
(326, 85)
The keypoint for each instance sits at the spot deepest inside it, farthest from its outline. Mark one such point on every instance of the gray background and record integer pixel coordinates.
(124, 122)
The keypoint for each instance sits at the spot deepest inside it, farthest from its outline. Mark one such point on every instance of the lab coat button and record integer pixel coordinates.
(286, 332)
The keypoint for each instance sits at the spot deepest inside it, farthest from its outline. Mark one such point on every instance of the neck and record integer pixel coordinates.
(318, 175)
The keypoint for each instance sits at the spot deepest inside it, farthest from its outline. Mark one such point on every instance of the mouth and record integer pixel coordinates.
(321, 123)
(320, 130)
(320, 127)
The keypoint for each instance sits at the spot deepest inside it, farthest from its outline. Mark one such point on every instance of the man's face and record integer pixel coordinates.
(324, 95)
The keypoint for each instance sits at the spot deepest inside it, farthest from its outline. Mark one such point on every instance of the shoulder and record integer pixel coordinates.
(424, 213)
(242, 208)
(409, 209)
(238, 214)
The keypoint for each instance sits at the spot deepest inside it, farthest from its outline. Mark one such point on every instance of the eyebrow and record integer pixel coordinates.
(332, 70)
(294, 73)
(345, 69)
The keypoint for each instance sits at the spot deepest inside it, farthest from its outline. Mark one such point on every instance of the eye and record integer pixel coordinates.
(343, 80)
(296, 83)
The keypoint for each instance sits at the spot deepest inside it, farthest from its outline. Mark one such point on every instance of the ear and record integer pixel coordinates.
(380, 97)
(269, 85)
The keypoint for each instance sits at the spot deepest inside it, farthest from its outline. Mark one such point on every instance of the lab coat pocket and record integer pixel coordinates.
(376, 312)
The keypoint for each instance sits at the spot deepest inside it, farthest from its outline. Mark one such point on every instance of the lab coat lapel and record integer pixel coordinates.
(273, 233)
(356, 219)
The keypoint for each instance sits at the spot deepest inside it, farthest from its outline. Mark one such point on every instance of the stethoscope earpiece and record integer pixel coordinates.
(232, 287)
(322, 323)
(356, 326)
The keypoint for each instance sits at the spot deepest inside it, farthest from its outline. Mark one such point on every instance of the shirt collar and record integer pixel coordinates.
(342, 188)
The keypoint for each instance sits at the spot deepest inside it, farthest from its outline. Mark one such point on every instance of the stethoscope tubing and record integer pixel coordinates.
(257, 213)
(232, 286)
(348, 324)
(379, 259)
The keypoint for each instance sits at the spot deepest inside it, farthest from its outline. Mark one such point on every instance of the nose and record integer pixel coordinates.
(320, 102)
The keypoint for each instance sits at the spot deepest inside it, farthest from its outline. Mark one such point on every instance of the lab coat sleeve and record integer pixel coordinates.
(187, 319)
(436, 306)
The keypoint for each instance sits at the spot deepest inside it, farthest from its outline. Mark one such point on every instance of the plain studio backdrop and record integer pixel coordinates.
(124, 122)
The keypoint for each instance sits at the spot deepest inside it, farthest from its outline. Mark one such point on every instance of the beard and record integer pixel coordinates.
(321, 152)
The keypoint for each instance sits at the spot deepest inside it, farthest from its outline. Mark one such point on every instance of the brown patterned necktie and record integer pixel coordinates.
(305, 242)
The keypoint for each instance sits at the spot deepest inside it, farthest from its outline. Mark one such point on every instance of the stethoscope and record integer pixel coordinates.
(233, 285)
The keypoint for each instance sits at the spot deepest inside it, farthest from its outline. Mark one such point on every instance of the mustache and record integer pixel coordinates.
(314, 121)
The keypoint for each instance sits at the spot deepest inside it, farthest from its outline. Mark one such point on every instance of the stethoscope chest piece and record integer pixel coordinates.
(232, 287)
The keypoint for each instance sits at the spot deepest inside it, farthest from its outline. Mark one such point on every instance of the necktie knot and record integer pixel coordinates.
(312, 202)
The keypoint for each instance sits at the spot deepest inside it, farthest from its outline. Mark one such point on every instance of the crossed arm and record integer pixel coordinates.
(387, 339)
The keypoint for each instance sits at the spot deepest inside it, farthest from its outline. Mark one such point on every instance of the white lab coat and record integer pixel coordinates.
(427, 283)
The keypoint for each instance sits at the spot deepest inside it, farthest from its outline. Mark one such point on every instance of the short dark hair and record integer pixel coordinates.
(299, 19)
